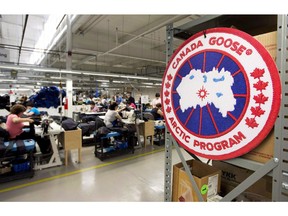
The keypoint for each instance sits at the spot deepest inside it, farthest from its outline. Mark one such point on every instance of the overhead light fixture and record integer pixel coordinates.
(23, 78)
(46, 40)
(105, 81)
(8, 80)
(134, 77)
(117, 81)
(88, 73)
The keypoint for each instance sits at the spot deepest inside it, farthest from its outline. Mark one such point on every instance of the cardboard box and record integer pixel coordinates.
(71, 139)
(233, 175)
(147, 130)
(264, 151)
(206, 177)
(269, 41)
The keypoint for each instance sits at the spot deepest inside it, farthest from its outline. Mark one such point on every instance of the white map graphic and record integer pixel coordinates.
(202, 88)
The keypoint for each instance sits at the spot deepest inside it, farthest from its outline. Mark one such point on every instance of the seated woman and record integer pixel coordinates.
(14, 124)
(93, 107)
(112, 116)
(157, 112)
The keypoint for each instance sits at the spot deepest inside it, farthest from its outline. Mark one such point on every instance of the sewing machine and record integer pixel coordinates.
(52, 131)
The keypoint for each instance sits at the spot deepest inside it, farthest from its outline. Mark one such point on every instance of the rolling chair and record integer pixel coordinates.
(148, 116)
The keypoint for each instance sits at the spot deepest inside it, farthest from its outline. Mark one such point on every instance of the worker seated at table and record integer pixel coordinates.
(157, 112)
(93, 107)
(15, 124)
(114, 122)
(112, 117)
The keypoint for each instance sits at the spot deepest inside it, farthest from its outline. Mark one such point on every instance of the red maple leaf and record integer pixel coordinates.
(257, 111)
(257, 73)
(167, 101)
(260, 85)
(251, 122)
(166, 93)
(168, 109)
(260, 98)
(169, 77)
(167, 85)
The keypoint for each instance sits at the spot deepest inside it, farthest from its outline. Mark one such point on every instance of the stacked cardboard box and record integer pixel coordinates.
(269, 41)
(207, 178)
(233, 175)
(265, 151)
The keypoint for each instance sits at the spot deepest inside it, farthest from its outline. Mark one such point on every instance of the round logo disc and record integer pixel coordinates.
(221, 93)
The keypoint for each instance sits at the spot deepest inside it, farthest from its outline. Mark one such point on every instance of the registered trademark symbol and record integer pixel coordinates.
(248, 52)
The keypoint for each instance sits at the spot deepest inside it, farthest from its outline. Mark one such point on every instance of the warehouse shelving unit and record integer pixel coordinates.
(277, 167)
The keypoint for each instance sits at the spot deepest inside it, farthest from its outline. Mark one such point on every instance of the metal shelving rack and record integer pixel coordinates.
(278, 165)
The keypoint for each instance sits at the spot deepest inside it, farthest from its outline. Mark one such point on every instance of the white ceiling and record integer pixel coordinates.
(133, 45)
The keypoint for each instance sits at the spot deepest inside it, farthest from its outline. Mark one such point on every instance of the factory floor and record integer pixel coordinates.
(122, 184)
(137, 177)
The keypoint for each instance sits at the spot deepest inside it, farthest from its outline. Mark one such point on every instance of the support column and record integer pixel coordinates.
(168, 137)
(69, 81)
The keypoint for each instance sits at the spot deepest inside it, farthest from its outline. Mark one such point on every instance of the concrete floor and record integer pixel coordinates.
(137, 177)
(130, 184)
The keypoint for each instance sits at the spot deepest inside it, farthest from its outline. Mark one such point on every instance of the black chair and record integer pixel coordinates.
(148, 116)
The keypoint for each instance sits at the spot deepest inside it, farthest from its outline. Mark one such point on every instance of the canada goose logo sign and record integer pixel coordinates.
(221, 93)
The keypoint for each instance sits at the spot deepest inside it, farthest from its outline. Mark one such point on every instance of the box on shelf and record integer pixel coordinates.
(215, 198)
(233, 175)
(264, 151)
(206, 177)
(269, 41)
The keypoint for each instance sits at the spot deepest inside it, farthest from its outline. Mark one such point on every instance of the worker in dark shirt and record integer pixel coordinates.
(157, 112)
(130, 98)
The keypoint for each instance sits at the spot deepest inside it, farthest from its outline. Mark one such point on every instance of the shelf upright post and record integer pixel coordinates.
(280, 173)
(168, 140)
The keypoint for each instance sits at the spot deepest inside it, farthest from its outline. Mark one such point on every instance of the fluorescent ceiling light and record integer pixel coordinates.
(88, 73)
(155, 84)
(20, 89)
(104, 85)
(99, 74)
(46, 39)
(8, 80)
(44, 81)
(14, 67)
(117, 81)
(45, 70)
(105, 81)
(53, 77)
(134, 77)
(22, 78)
